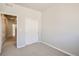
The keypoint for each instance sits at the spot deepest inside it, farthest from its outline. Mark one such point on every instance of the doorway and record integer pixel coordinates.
(9, 28)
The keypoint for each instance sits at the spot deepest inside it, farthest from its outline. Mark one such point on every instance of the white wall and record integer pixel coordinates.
(60, 27)
(27, 23)
(0, 33)
(0, 30)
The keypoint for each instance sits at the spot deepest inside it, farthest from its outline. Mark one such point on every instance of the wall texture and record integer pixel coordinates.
(60, 27)
(27, 23)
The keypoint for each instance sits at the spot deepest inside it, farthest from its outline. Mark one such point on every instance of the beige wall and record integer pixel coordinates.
(60, 27)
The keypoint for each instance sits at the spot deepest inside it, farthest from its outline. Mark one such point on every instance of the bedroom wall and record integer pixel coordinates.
(60, 27)
(27, 23)
(0, 30)
(0, 33)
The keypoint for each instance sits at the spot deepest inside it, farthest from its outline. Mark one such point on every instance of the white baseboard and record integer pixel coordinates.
(57, 48)
(21, 46)
(31, 43)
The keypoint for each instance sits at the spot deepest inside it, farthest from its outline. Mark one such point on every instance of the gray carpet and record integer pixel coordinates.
(36, 49)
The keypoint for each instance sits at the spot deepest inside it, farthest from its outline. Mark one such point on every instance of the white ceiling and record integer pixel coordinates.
(36, 6)
(44, 6)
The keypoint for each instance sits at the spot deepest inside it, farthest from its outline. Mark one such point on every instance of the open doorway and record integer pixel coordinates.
(9, 28)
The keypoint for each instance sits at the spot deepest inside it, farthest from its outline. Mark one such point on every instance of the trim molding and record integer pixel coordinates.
(57, 48)
(21, 46)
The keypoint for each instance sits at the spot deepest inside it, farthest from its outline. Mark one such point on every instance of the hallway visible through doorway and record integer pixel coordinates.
(9, 28)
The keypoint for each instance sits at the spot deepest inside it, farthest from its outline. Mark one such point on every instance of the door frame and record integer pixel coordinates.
(16, 24)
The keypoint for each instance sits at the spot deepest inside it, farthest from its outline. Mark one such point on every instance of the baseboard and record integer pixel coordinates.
(29, 43)
(21, 46)
(57, 48)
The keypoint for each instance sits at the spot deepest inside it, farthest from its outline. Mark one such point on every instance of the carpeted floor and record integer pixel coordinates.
(36, 49)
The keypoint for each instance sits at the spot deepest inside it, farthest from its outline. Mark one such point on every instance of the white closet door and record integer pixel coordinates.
(21, 32)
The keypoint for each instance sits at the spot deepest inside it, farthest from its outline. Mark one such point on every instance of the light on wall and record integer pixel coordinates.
(13, 27)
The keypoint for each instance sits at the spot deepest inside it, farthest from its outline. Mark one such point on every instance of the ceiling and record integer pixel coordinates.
(44, 6)
(36, 6)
